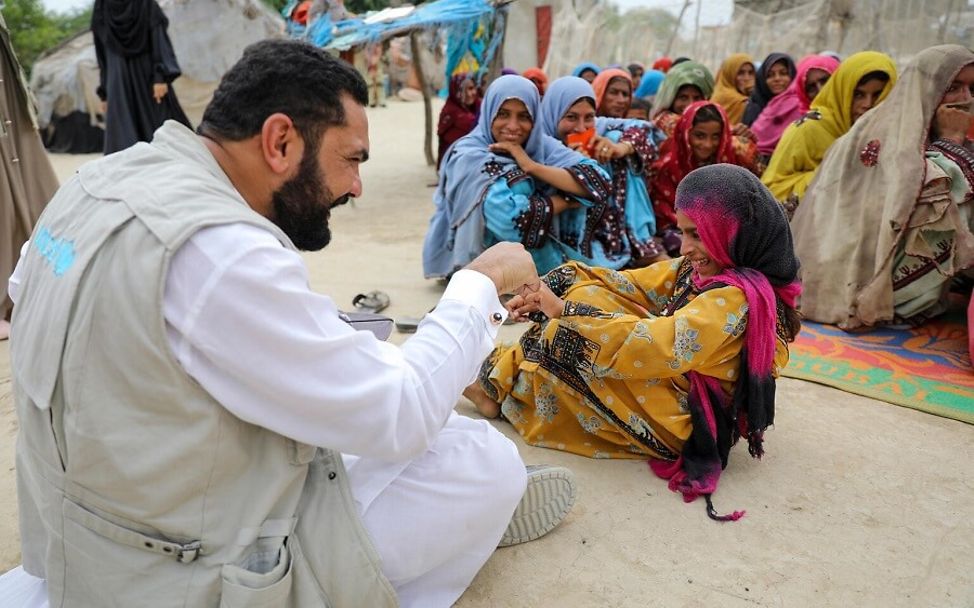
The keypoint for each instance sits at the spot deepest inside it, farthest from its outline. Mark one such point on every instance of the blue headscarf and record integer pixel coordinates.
(456, 233)
(650, 83)
(585, 66)
(561, 95)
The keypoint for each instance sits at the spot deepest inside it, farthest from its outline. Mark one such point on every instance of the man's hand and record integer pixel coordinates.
(159, 91)
(952, 124)
(509, 266)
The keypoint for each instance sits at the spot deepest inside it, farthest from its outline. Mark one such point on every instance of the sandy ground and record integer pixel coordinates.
(857, 503)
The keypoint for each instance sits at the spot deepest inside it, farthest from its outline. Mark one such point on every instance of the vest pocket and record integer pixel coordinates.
(263, 580)
(102, 557)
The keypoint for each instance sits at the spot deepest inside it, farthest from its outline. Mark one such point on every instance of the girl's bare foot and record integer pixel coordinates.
(487, 407)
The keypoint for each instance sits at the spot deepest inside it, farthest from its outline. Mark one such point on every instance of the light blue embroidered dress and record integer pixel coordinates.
(485, 198)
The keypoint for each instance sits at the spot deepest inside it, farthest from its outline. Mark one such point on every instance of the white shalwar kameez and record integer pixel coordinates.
(435, 490)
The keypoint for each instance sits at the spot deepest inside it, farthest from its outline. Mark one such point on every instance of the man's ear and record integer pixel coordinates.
(280, 143)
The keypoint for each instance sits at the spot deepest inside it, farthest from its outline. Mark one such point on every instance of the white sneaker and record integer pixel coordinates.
(547, 500)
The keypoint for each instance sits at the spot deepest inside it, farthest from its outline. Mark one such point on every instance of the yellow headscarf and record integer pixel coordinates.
(725, 91)
(805, 142)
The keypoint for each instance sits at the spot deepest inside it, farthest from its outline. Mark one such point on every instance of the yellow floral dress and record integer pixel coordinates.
(609, 378)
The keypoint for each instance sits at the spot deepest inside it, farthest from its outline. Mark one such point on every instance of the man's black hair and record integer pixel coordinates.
(287, 76)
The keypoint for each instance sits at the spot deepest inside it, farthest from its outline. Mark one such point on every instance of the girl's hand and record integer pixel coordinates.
(516, 152)
(744, 132)
(542, 299)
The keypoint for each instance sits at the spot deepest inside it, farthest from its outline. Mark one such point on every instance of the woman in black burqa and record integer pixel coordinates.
(137, 65)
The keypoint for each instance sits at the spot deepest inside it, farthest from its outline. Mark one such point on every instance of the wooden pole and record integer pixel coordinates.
(676, 28)
(427, 100)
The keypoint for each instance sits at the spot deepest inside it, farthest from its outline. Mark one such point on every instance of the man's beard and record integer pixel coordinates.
(302, 205)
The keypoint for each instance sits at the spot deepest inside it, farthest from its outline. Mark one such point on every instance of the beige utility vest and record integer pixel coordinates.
(136, 487)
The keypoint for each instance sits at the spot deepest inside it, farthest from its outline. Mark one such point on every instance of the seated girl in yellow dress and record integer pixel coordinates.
(673, 362)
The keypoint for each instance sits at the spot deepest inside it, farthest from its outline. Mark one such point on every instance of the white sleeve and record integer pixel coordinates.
(13, 283)
(244, 323)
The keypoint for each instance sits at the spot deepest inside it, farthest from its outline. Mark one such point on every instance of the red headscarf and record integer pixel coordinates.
(538, 77)
(456, 119)
(677, 160)
(663, 64)
(601, 84)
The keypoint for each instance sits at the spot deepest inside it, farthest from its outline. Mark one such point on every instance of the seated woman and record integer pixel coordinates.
(587, 71)
(735, 81)
(673, 362)
(702, 137)
(860, 82)
(776, 73)
(899, 217)
(459, 113)
(613, 234)
(507, 181)
(684, 84)
(626, 149)
(811, 75)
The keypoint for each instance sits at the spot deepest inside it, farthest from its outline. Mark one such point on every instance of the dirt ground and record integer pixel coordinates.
(857, 502)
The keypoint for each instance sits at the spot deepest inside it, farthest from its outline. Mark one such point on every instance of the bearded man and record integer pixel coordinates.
(199, 428)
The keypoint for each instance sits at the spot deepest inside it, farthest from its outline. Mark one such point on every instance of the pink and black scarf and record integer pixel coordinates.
(746, 232)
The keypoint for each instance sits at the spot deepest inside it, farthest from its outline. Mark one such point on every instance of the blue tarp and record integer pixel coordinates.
(355, 32)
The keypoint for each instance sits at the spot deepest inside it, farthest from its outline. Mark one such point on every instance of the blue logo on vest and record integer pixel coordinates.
(58, 253)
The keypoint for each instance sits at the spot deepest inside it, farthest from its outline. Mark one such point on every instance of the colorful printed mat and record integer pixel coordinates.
(926, 368)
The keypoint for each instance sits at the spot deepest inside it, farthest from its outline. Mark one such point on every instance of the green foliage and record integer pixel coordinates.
(34, 30)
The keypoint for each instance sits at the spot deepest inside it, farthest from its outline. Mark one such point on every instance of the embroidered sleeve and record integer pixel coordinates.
(581, 309)
(534, 223)
(644, 146)
(515, 212)
(593, 179)
(560, 279)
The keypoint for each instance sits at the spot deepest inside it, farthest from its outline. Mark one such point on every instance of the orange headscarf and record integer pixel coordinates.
(537, 75)
(601, 83)
(725, 90)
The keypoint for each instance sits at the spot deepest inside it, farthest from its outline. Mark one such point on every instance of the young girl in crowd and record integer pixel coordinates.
(626, 149)
(673, 362)
(507, 181)
(684, 84)
(776, 73)
(811, 75)
(860, 82)
(895, 197)
(701, 138)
